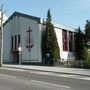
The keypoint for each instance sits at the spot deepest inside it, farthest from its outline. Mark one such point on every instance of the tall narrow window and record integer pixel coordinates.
(70, 41)
(64, 35)
(12, 43)
(15, 42)
(19, 40)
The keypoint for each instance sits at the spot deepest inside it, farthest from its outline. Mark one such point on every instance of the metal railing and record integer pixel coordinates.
(76, 64)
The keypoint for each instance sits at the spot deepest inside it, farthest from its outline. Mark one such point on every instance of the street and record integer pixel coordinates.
(19, 79)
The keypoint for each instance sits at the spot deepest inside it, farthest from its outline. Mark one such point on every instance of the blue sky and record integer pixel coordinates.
(69, 12)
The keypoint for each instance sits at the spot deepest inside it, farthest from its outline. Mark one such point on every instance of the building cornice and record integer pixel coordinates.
(22, 15)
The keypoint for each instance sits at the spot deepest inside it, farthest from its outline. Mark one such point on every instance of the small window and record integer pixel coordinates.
(12, 43)
(64, 39)
(19, 40)
(70, 41)
(15, 42)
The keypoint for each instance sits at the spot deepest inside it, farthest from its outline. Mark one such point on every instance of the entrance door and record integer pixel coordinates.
(15, 58)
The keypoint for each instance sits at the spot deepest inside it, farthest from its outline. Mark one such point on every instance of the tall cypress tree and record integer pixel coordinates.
(49, 43)
(81, 50)
(87, 33)
(43, 42)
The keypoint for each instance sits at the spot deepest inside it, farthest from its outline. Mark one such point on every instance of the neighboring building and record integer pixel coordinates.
(24, 31)
(66, 40)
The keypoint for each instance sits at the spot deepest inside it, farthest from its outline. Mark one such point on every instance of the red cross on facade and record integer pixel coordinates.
(29, 45)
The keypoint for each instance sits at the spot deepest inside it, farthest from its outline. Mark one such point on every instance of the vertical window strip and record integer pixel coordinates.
(15, 42)
(70, 41)
(19, 40)
(64, 32)
(12, 42)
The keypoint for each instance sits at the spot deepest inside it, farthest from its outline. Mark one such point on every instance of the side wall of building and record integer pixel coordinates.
(65, 55)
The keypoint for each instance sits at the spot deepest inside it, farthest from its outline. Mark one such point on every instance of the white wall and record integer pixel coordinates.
(7, 42)
(58, 29)
(59, 39)
(19, 25)
(35, 53)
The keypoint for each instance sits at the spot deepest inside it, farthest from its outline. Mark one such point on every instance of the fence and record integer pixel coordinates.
(68, 63)
(75, 64)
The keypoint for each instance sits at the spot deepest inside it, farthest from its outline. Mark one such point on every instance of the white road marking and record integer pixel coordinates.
(61, 75)
(87, 78)
(65, 75)
(57, 85)
(44, 73)
(13, 69)
(52, 74)
(7, 76)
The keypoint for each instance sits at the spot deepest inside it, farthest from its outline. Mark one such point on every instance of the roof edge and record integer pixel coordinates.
(22, 15)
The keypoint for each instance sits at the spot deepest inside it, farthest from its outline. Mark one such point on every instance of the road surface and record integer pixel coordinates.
(19, 79)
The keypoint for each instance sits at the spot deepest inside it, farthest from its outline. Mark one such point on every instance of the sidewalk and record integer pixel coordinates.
(76, 71)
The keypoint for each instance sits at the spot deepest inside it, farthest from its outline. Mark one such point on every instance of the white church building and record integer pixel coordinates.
(24, 32)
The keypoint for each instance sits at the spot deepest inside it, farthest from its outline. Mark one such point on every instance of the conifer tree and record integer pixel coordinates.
(87, 33)
(49, 43)
(43, 42)
(81, 50)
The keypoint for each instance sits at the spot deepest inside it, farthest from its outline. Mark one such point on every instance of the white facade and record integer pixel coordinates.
(65, 55)
(16, 33)
(17, 26)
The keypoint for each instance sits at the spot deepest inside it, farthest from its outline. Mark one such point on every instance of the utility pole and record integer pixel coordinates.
(1, 37)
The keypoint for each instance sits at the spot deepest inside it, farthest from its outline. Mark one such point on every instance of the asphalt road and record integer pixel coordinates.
(18, 79)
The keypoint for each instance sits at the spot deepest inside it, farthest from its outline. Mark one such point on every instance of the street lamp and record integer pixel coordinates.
(47, 57)
(19, 52)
